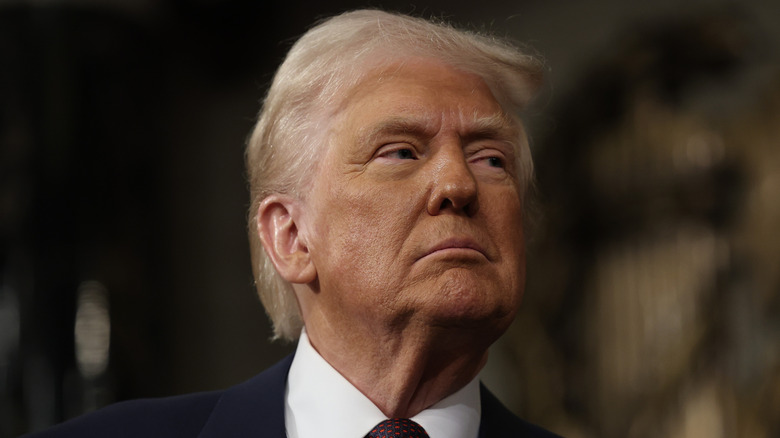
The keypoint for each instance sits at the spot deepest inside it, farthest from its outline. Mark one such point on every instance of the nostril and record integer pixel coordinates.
(445, 204)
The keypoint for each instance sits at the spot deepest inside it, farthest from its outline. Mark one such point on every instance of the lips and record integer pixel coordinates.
(456, 245)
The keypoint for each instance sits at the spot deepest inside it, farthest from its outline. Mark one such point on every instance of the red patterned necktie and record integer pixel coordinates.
(397, 428)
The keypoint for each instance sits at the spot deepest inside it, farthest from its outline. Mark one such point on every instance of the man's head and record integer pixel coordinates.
(353, 155)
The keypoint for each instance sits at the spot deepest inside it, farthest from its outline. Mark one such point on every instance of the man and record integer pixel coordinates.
(388, 174)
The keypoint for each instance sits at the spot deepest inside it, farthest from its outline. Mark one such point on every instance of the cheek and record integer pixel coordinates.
(363, 236)
(505, 216)
(504, 213)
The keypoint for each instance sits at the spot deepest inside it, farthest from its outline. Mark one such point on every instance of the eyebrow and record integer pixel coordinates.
(495, 126)
(395, 126)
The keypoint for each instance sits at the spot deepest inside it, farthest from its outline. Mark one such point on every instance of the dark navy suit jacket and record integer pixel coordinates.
(253, 409)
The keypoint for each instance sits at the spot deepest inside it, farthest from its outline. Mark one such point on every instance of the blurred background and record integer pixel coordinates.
(653, 299)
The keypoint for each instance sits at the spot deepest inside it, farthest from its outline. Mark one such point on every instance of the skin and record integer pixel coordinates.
(410, 244)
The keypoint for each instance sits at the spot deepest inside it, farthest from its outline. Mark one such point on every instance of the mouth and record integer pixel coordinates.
(457, 247)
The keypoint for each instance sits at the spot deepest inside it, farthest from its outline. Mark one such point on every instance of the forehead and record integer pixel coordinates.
(424, 94)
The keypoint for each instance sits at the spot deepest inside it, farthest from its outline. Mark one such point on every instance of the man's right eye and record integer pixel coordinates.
(400, 154)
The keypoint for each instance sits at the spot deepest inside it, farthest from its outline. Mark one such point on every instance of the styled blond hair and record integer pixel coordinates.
(325, 63)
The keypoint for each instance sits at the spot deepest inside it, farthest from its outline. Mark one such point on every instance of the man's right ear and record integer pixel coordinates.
(278, 231)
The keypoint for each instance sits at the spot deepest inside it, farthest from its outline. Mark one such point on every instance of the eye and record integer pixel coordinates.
(490, 159)
(403, 154)
(399, 153)
(497, 162)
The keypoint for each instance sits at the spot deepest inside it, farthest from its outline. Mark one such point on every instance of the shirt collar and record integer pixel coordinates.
(320, 402)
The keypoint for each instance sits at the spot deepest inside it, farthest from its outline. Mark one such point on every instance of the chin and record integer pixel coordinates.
(465, 301)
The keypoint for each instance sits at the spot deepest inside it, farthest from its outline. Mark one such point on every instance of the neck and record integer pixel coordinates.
(427, 365)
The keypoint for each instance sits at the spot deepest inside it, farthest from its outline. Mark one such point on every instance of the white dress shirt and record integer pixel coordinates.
(321, 403)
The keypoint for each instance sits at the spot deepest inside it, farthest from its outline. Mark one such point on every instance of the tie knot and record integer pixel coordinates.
(397, 428)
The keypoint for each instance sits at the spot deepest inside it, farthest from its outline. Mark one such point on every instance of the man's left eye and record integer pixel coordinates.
(495, 162)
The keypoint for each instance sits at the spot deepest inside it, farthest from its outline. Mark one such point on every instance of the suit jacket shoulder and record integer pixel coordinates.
(498, 421)
(253, 408)
(181, 416)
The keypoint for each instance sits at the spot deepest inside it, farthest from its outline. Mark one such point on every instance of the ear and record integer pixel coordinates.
(279, 233)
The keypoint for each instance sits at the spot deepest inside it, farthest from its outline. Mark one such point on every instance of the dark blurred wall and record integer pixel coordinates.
(124, 268)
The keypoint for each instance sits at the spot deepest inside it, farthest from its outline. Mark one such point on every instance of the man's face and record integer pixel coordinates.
(415, 215)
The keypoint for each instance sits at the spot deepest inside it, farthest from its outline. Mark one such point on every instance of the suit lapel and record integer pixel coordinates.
(498, 421)
(254, 408)
(491, 413)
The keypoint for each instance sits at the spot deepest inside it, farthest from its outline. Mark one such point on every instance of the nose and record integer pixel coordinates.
(453, 185)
